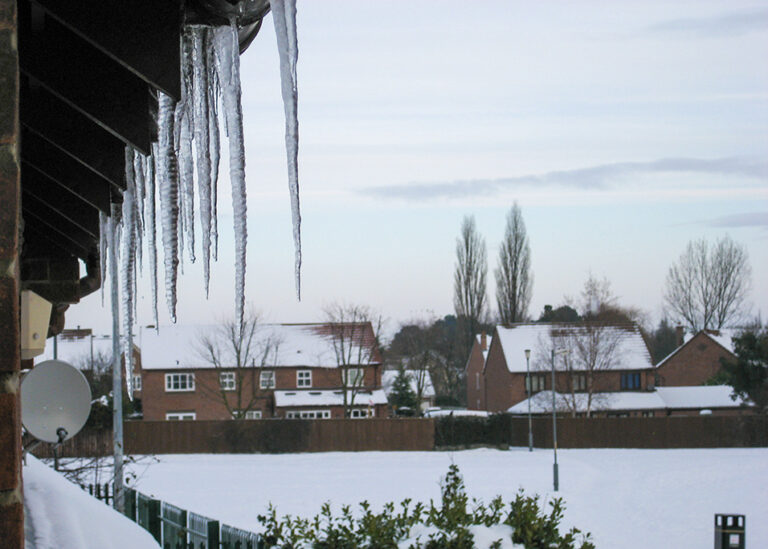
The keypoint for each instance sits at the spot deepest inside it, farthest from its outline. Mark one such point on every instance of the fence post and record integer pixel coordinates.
(213, 534)
(155, 524)
(130, 504)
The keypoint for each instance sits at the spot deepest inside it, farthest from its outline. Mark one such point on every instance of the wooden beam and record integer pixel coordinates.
(38, 212)
(84, 77)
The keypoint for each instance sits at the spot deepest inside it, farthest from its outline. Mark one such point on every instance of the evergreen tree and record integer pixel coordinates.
(749, 374)
(402, 395)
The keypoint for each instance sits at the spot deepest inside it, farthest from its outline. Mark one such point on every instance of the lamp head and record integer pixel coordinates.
(527, 354)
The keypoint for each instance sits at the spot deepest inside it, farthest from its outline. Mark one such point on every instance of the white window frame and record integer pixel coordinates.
(354, 377)
(189, 382)
(227, 381)
(267, 379)
(538, 382)
(250, 414)
(579, 382)
(308, 414)
(136, 382)
(180, 416)
(362, 413)
(303, 378)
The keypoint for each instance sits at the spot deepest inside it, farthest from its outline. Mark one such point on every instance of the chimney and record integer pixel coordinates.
(679, 333)
(483, 341)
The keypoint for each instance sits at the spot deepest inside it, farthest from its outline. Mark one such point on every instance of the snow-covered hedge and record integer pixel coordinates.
(454, 523)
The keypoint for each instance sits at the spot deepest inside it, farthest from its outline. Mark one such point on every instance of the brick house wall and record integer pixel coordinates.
(206, 399)
(474, 372)
(693, 363)
(502, 388)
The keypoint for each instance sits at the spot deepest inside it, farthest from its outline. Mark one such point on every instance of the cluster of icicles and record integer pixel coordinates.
(184, 168)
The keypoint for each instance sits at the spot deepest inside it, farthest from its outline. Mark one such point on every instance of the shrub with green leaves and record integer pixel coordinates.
(446, 525)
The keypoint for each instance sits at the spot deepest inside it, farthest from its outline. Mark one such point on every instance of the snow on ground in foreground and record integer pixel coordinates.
(59, 515)
(626, 498)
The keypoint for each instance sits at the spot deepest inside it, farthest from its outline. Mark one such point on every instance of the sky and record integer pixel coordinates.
(623, 130)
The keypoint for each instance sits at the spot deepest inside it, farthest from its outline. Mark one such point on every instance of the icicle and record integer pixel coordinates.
(213, 134)
(127, 266)
(168, 189)
(150, 226)
(139, 168)
(227, 50)
(184, 115)
(284, 17)
(202, 144)
(103, 245)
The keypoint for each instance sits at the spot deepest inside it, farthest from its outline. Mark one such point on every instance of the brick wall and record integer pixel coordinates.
(694, 363)
(207, 399)
(475, 382)
(11, 507)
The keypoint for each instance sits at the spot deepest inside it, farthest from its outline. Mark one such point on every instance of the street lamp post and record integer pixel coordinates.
(529, 394)
(554, 419)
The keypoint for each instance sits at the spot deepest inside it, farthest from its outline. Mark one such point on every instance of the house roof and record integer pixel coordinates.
(288, 345)
(632, 352)
(388, 379)
(721, 337)
(328, 397)
(663, 398)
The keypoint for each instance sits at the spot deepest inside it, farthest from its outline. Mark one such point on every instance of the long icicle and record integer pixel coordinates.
(284, 18)
(168, 188)
(150, 223)
(213, 134)
(202, 144)
(229, 57)
(128, 266)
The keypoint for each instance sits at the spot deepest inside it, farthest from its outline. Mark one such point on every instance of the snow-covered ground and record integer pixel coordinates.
(626, 498)
(59, 515)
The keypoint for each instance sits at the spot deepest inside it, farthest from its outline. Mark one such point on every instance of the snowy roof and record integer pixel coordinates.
(631, 353)
(180, 347)
(329, 397)
(721, 337)
(662, 398)
(388, 379)
(77, 350)
(456, 413)
(479, 341)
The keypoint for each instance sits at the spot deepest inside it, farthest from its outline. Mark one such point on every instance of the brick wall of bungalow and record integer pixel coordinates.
(694, 363)
(475, 381)
(504, 388)
(206, 400)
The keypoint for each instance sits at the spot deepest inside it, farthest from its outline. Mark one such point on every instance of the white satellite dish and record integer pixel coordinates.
(55, 401)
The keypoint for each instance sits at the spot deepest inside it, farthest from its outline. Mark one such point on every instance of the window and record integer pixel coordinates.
(647, 413)
(538, 383)
(304, 378)
(579, 382)
(137, 383)
(630, 381)
(227, 381)
(179, 382)
(357, 413)
(477, 381)
(250, 414)
(180, 416)
(308, 414)
(267, 379)
(354, 377)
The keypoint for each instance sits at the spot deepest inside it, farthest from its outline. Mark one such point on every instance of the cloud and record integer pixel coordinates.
(600, 177)
(748, 219)
(725, 24)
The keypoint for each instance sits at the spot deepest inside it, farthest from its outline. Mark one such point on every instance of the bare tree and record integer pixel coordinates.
(513, 273)
(591, 348)
(708, 286)
(469, 282)
(354, 331)
(238, 352)
(415, 351)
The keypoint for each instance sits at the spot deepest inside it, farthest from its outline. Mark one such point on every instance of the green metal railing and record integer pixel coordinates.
(177, 528)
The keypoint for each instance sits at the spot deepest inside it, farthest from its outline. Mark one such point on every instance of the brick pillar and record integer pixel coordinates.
(11, 506)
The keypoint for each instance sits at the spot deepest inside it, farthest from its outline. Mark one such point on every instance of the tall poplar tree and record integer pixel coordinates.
(514, 280)
(469, 279)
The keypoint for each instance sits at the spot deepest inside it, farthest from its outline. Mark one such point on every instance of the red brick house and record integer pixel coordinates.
(601, 357)
(295, 373)
(474, 372)
(697, 358)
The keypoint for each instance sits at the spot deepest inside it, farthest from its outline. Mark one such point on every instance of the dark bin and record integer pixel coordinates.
(729, 532)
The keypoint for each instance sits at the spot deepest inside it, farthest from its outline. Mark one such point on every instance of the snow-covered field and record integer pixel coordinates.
(626, 498)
